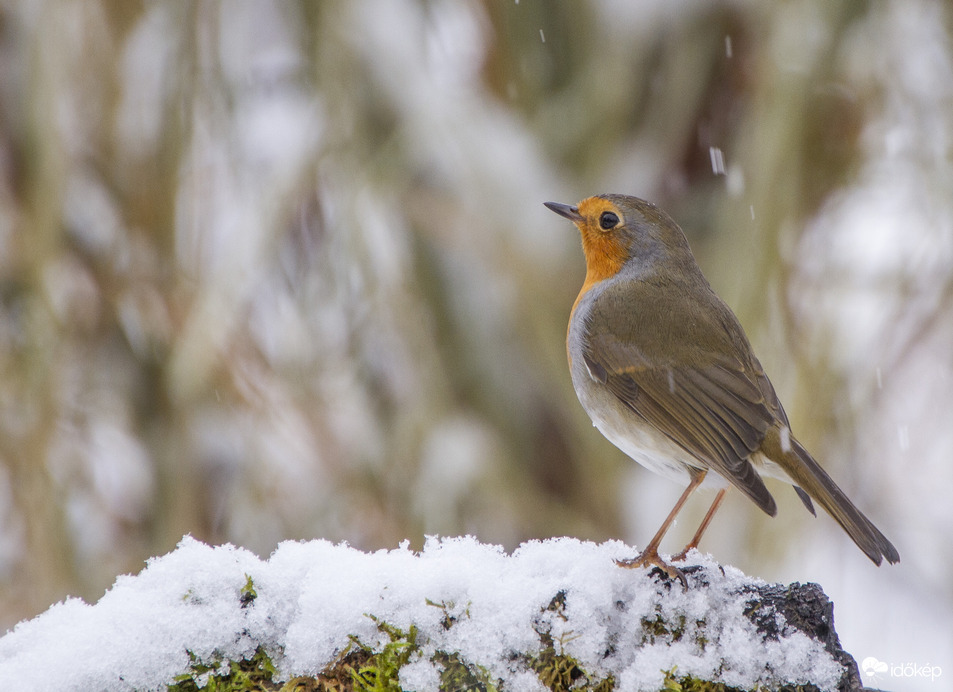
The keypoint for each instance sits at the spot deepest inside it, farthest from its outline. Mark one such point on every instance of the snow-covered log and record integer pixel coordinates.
(555, 614)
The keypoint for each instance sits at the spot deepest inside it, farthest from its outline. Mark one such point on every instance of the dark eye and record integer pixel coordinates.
(608, 220)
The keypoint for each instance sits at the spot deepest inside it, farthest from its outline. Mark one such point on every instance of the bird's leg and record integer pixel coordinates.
(704, 525)
(650, 555)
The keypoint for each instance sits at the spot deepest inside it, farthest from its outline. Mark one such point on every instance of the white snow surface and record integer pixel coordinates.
(312, 596)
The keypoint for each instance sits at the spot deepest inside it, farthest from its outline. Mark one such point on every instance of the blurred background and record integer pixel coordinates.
(280, 271)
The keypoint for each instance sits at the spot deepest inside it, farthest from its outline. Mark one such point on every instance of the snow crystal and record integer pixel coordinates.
(491, 608)
(717, 160)
(419, 676)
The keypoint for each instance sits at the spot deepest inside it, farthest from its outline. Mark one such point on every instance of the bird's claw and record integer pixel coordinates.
(652, 558)
(681, 556)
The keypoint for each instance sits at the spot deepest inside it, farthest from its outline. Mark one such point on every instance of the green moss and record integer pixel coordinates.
(688, 683)
(362, 667)
(560, 672)
(658, 628)
(381, 671)
(255, 674)
(556, 669)
(248, 594)
(458, 675)
(359, 669)
(339, 676)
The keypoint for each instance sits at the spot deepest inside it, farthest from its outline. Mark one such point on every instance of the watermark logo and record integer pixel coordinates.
(875, 669)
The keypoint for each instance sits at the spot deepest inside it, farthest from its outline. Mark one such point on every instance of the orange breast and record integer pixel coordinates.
(605, 257)
(605, 251)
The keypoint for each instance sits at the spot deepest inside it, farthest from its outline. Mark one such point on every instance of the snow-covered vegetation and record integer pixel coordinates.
(551, 614)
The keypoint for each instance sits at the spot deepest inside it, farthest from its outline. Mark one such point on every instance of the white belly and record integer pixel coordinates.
(639, 440)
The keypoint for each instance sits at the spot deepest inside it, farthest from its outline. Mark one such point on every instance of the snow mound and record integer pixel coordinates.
(492, 609)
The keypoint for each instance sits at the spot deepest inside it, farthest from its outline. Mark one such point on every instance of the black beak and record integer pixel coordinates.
(571, 213)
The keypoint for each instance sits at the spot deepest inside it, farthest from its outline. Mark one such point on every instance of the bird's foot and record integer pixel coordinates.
(650, 557)
(680, 557)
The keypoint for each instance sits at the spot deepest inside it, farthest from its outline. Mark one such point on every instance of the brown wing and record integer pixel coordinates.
(715, 427)
(705, 390)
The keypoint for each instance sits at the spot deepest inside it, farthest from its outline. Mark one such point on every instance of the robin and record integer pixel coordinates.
(664, 370)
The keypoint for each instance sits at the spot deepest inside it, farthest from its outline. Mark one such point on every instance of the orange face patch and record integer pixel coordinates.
(605, 249)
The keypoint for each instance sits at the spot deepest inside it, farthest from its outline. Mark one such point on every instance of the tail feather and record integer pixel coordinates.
(812, 479)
